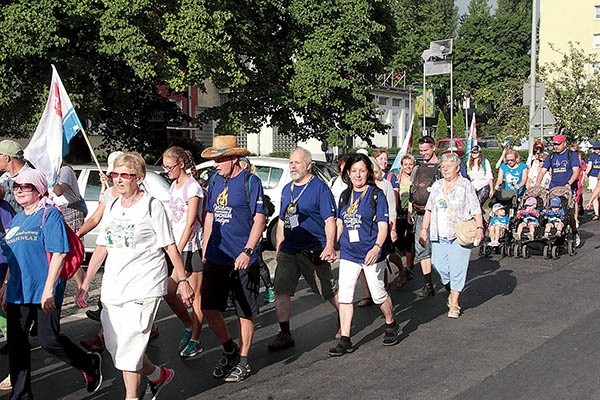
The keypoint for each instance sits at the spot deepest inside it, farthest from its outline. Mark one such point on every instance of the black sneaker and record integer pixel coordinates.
(154, 388)
(341, 349)
(226, 363)
(238, 373)
(283, 340)
(94, 378)
(427, 290)
(390, 335)
(94, 315)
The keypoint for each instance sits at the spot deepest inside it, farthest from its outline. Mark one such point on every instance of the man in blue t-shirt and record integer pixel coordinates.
(562, 163)
(306, 234)
(593, 172)
(233, 226)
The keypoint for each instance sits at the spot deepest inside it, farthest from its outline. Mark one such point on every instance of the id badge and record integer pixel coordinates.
(294, 221)
(353, 236)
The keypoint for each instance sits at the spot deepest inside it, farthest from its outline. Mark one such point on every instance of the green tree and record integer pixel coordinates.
(572, 93)
(441, 131)
(416, 134)
(459, 124)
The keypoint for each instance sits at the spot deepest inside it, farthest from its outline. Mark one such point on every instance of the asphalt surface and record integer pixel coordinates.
(529, 330)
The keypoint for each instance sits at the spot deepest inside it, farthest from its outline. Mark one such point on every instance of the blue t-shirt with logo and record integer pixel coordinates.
(313, 203)
(594, 159)
(233, 203)
(513, 176)
(364, 222)
(25, 246)
(561, 169)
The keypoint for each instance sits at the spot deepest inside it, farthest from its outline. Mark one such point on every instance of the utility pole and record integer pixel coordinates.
(534, 24)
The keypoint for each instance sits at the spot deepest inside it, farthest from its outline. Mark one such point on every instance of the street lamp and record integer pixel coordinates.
(437, 62)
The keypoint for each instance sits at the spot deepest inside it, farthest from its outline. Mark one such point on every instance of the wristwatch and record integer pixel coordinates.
(248, 251)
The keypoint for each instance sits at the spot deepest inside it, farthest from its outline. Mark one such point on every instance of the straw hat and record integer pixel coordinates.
(224, 146)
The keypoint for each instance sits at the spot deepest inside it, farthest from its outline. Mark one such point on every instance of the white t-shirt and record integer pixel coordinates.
(178, 209)
(67, 177)
(135, 267)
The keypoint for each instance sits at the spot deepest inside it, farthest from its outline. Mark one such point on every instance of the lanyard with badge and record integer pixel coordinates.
(292, 208)
(353, 235)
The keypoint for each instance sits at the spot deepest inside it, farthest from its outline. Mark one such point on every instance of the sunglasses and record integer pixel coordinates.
(475, 151)
(556, 144)
(23, 187)
(510, 160)
(124, 175)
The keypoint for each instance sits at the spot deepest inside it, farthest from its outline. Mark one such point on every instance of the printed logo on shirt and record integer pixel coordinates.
(560, 166)
(351, 220)
(120, 234)
(12, 236)
(222, 212)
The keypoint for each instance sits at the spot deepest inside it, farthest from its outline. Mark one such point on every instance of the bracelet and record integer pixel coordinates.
(183, 280)
(378, 245)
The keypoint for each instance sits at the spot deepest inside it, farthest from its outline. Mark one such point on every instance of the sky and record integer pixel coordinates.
(463, 4)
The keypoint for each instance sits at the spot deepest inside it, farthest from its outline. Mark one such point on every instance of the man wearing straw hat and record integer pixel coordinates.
(233, 227)
(12, 161)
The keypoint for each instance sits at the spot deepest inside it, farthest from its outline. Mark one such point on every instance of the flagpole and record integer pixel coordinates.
(94, 158)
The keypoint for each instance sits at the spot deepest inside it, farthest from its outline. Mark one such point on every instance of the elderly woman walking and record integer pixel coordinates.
(34, 292)
(134, 231)
(452, 199)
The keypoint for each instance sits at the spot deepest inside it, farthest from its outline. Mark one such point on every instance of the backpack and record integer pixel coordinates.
(267, 203)
(76, 253)
(424, 177)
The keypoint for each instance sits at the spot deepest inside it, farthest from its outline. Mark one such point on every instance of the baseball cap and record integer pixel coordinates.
(362, 151)
(475, 149)
(111, 160)
(11, 148)
(555, 202)
(497, 207)
(596, 145)
(559, 139)
(531, 201)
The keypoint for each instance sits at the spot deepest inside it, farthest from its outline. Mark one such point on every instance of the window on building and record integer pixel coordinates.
(396, 102)
(596, 67)
(596, 43)
(383, 101)
(597, 12)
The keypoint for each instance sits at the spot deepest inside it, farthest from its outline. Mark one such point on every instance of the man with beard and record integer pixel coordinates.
(306, 233)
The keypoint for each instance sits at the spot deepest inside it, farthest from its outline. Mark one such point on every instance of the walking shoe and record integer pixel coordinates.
(185, 339)
(283, 340)
(94, 379)
(193, 348)
(154, 333)
(453, 311)
(269, 295)
(95, 344)
(341, 348)
(390, 335)
(238, 373)
(94, 315)
(154, 388)
(427, 290)
(517, 236)
(227, 362)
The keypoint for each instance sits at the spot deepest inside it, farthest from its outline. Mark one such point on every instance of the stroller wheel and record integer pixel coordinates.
(546, 252)
(576, 240)
(525, 251)
(555, 252)
(482, 250)
(516, 250)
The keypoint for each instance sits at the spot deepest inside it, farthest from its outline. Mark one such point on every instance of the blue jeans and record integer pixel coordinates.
(451, 261)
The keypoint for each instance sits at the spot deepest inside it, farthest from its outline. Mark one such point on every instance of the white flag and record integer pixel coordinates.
(58, 125)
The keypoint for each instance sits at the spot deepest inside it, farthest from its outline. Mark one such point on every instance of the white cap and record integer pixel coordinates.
(363, 151)
(111, 160)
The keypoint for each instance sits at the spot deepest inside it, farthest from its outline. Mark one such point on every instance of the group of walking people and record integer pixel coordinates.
(204, 250)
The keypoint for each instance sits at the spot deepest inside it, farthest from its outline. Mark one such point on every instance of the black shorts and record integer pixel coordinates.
(220, 280)
(406, 236)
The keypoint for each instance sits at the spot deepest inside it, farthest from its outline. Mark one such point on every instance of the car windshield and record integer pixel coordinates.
(449, 143)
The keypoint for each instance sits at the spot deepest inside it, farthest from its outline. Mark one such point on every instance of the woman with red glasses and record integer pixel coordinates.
(535, 165)
(135, 236)
(34, 291)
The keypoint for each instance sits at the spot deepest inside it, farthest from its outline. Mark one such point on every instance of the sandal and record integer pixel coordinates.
(5, 384)
(595, 218)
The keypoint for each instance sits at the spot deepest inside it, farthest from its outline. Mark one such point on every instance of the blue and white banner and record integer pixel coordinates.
(58, 125)
(472, 138)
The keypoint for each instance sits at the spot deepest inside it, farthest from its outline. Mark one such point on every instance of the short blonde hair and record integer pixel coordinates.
(132, 160)
(377, 172)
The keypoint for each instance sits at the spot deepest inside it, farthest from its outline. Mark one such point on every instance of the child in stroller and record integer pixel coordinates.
(529, 218)
(555, 218)
(498, 224)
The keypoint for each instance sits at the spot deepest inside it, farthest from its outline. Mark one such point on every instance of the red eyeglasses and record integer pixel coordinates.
(124, 175)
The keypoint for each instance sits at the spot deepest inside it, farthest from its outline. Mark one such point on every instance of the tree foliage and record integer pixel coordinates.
(573, 93)
(459, 124)
(441, 132)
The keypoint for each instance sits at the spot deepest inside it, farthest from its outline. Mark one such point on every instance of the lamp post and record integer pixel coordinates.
(437, 62)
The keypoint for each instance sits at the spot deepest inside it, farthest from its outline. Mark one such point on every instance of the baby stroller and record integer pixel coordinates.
(509, 200)
(566, 239)
(522, 245)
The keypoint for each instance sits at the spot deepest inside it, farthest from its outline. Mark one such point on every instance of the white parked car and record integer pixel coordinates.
(88, 179)
(274, 174)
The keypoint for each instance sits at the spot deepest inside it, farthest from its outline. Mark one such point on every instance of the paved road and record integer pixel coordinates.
(529, 331)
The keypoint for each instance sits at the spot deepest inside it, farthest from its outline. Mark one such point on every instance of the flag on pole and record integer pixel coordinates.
(472, 138)
(406, 144)
(58, 125)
